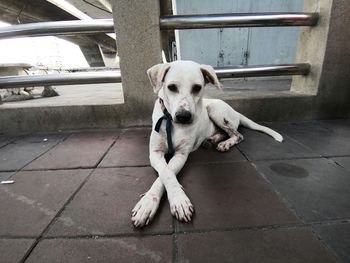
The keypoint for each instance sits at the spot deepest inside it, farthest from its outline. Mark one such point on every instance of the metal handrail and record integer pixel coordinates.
(115, 76)
(263, 70)
(58, 28)
(238, 20)
(60, 79)
(166, 22)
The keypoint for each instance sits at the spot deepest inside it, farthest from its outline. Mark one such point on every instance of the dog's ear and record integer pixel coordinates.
(210, 76)
(156, 75)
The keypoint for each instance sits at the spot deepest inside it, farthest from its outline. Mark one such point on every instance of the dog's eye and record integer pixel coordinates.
(172, 87)
(196, 89)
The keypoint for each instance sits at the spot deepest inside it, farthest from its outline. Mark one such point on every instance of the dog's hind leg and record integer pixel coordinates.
(217, 137)
(226, 119)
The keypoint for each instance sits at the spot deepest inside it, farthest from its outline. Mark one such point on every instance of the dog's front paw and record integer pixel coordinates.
(180, 205)
(145, 209)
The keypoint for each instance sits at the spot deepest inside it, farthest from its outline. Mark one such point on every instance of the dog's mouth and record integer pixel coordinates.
(183, 122)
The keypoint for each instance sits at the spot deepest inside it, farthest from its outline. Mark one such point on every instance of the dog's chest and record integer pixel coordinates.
(185, 139)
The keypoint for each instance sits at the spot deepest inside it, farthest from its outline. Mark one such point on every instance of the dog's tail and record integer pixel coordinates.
(254, 126)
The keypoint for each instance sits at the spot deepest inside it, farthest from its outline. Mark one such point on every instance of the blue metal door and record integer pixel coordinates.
(238, 46)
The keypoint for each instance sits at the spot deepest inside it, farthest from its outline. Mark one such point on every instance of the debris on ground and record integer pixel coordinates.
(7, 182)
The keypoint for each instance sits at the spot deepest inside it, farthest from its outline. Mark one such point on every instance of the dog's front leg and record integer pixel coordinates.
(180, 205)
(147, 206)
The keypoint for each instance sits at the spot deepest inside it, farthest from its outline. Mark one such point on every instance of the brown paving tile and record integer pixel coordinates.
(211, 155)
(42, 137)
(21, 152)
(103, 206)
(13, 250)
(277, 245)
(28, 205)
(318, 189)
(231, 195)
(128, 151)
(79, 150)
(131, 133)
(141, 249)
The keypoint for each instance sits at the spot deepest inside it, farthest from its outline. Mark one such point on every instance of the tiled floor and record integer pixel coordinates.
(261, 202)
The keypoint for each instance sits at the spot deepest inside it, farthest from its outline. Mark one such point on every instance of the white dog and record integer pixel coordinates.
(182, 121)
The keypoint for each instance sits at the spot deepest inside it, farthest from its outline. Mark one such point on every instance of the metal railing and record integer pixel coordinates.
(263, 70)
(166, 23)
(58, 28)
(238, 20)
(60, 79)
(114, 76)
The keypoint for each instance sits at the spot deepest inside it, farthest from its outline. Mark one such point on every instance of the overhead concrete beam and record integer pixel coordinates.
(107, 4)
(94, 8)
(93, 56)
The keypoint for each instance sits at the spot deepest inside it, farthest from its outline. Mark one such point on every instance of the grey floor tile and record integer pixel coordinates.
(103, 206)
(277, 245)
(13, 250)
(231, 195)
(80, 150)
(259, 146)
(128, 151)
(4, 140)
(325, 138)
(343, 161)
(317, 188)
(337, 238)
(131, 249)
(211, 155)
(28, 205)
(342, 125)
(21, 152)
(140, 133)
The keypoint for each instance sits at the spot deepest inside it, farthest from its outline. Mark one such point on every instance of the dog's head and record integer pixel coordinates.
(180, 84)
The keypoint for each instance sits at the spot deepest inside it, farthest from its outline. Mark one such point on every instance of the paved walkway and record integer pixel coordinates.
(261, 202)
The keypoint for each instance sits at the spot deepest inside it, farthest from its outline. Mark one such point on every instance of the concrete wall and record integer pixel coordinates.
(325, 94)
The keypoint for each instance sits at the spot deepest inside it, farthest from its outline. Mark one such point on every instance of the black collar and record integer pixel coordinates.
(168, 128)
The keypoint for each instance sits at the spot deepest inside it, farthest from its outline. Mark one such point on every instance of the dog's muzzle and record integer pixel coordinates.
(183, 117)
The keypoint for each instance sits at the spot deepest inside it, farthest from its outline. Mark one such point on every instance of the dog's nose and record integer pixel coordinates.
(183, 116)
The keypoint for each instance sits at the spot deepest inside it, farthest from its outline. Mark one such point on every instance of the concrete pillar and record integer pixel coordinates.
(312, 47)
(139, 47)
(334, 84)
